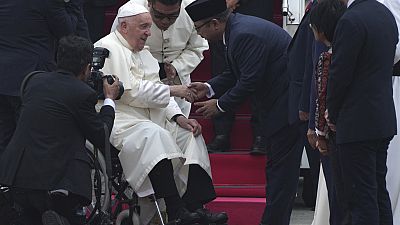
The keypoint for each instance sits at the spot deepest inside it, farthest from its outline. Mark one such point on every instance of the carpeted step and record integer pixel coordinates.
(238, 175)
(241, 134)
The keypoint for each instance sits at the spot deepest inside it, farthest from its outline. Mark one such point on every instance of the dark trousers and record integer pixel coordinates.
(199, 191)
(31, 204)
(363, 166)
(282, 174)
(9, 113)
(310, 185)
(339, 212)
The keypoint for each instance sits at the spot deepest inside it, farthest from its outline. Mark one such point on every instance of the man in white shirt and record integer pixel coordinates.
(162, 151)
(173, 42)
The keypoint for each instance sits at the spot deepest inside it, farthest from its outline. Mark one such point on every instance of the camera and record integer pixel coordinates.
(96, 77)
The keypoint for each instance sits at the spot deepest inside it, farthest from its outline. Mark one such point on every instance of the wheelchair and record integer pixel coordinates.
(113, 200)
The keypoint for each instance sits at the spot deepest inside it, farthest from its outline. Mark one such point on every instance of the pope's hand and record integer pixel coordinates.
(199, 88)
(189, 124)
(182, 91)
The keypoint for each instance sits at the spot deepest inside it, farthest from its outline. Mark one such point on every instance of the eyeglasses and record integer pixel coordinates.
(205, 23)
(160, 16)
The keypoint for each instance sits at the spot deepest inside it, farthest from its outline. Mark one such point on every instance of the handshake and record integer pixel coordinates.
(194, 92)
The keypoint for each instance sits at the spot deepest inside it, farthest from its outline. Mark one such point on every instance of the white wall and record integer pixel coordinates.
(293, 11)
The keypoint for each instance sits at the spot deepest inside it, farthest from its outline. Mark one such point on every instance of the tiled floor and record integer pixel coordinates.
(301, 215)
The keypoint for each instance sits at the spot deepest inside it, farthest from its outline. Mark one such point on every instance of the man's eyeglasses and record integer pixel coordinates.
(205, 23)
(160, 16)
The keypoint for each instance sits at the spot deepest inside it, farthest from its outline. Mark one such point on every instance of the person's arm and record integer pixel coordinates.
(347, 43)
(92, 123)
(62, 17)
(322, 80)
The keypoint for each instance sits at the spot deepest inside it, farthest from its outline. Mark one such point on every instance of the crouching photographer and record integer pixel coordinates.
(46, 165)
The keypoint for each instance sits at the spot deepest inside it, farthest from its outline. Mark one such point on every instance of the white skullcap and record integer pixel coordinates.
(128, 9)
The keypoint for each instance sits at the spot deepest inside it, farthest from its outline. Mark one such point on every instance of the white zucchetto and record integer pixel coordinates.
(126, 10)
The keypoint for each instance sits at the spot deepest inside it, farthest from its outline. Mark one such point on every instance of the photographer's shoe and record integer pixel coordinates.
(50, 217)
(208, 217)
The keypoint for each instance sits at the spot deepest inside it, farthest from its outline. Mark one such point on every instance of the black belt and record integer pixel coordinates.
(396, 69)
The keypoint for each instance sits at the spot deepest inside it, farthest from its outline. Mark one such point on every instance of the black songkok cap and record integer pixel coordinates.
(202, 9)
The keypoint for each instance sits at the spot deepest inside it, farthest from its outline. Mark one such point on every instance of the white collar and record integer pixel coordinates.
(349, 3)
(122, 40)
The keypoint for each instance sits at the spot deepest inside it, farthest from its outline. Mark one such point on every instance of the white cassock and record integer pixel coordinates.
(179, 44)
(143, 130)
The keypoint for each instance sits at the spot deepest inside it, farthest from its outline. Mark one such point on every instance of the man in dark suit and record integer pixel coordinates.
(223, 123)
(300, 71)
(360, 106)
(48, 147)
(257, 60)
(26, 48)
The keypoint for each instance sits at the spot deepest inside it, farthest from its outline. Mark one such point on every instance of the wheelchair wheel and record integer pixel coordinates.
(101, 190)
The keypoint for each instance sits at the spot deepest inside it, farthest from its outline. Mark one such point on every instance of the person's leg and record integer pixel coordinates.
(343, 216)
(359, 166)
(282, 175)
(260, 145)
(222, 128)
(30, 205)
(200, 191)
(224, 122)
(9, 113)
(309, 194)
(163, 182)
(68, 206)
(385, 210)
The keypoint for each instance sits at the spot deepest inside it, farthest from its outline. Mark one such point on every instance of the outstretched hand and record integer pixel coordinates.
(183, 91)
(199, 88)
(207, 108)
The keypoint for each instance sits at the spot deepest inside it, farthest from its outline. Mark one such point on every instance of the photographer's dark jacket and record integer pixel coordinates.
(57, 115)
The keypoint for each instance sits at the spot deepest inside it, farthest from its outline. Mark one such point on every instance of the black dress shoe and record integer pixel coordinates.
(185, 217)
(259, 146)
(220, 143)
(208, 217)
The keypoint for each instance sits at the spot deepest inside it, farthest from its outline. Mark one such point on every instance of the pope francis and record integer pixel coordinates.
(161, 151)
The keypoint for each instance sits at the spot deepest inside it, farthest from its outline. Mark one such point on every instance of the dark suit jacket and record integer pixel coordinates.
(300, 69)
(28, 30)
(303, 53)
(257, 60)
(57, 115)
(359, 97)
